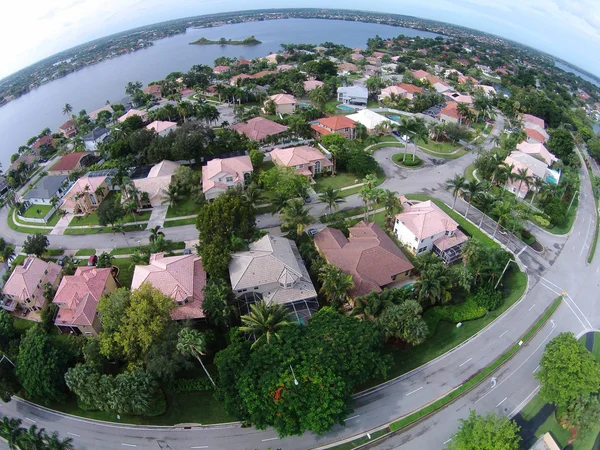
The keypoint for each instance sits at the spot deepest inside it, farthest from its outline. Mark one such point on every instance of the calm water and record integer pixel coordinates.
(90, 88)
(576, 72)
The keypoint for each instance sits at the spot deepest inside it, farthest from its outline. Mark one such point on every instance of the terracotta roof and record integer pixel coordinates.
(68, 124)
(68, 161)
(283, 99)
(78, 296)
(235, 166)
(528, 118)
(160, 125)
(369, 255)
(153, 88)
(446, 242)
(295, 156)
(418, 74)
(79, 186)
(537, 149)
(179, 277)
(459, 98)
(258, 128)
(337, 122)
(158, 179)
(425, 219)
(535, 135)
(348, 67)
(132, 112)
(241, 76)
(410, 88)
(309, 85)
(44, 140)
(24, 280)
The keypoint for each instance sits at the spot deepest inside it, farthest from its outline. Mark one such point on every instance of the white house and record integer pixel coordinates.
(95, 137)
(369, 119)
(221, 174)
(162, 127)
(353, 95)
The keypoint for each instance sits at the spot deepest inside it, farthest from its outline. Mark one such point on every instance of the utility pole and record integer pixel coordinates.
(505, 267)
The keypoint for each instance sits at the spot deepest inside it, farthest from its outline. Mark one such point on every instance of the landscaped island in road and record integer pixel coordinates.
(248, 41)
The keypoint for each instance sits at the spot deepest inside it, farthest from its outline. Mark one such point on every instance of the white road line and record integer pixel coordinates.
(501, 402)
(270, 439)
(445, 442)
(201, 446)
(553, 284)
(579, 309)
(532, 306)
(504, 333)
(73, 434)
(550, 289)
(536, 369)
(414, 391)
(524, 402)
(573, 311)
(353, 417)
(31, 420)
(465, 362)
(128, 445)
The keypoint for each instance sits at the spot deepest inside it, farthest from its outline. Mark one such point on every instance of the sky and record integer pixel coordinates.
(35, 29)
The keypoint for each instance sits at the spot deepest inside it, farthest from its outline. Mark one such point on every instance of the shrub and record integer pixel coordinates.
(541, 221)
(409, 162)
(556, 211)
(469, 310)
(488, 298)
(190, 385)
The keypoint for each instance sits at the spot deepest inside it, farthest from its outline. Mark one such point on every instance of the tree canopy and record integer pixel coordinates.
(488, 432)
(36, 244)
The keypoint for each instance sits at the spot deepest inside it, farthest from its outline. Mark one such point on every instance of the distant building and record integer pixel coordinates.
(162, 127)
(309, 85)
(284, 103)
(44, 141)
(259, 128)
(72, 161)
(133, 112)
(94, 138)
(94, 114)
(307, 161)
(335, 124)
(353, 95)
(405, 90)
(153, 89)
(219, 175)
(45, 190)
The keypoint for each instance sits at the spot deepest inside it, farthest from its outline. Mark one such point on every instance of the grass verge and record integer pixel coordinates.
(179, 222)
(469, 172)
(13, 226)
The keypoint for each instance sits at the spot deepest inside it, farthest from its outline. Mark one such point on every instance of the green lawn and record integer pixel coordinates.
(186, 207)
(394, 143)
(342, 179)
(469, 172)
(356, 190)
(130, 250)
(53, 220)
(266, 209)
(92, 219)
(440, 147)
(125, 271)
(85, 252)
(105, 230)
(13, 226)
(37, 211)
(411, 162)
(179, 222)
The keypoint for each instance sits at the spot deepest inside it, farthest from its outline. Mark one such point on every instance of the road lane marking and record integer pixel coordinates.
(445, 442)
(128, 445)
(270, 439)
(550, 289)
(353, 417)
(573, 311)
(31, 420)
(73, 434)
(504, 333)
(536, 369)
(532, 306)
(579, 309)
(501, 402)
(201, 446)
(465, 362)
(414, 391)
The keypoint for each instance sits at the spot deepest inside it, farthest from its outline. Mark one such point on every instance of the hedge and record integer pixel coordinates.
(190, 385)
(468, 310)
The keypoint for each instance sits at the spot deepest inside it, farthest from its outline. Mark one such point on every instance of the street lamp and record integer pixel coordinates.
(505, 267)
(570, 204)
(294, 375)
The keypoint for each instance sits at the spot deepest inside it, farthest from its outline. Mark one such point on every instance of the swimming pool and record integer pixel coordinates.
(394, 118)
(346, 108)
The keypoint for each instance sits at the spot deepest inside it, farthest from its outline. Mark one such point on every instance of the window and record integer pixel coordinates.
(317, 166)
(422, 249)
(87, 333)
(416, 239)
(229, 179)
(255, 287)
(300, 166)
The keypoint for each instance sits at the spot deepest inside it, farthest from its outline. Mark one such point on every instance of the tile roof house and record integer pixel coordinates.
(180, 277)
(284, 103)
(25, 286)
(459, 98)
(529, 119)
(402, 90)
(242, 76)
(77, 298)
(536, 135)
(153, 89)
(272, 270)
(94, 114)
(45, 189)
(335, 124)
(68, 129)
(157, 181)
(537, 149)
(307, 161)
(346, 68)
(368, 254)
(72, 161)
(133, 112)
(536, 168)
(424, 227)
(309, 85)
(421, 75)
(218, 175)
(95, 137)
(43, 141)
(450, 114)
(162, 127)
(258, 128)
(221, 69)
(81, 196)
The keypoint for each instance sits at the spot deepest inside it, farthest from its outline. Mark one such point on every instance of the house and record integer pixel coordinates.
(347, 68)
(368, 118)
(272, 270)
(459, 98)
(271, 58)
(133, 112)
(162, 127)
(284, 67)
(68, 129)
(356, 57)
(538, 150)
(86, 194)
(218, 175)
(536, 168)
(45, 190)
(180, 277)
(546, 442)
(463, 79)
(368, 254)
(308, 161)
(536, 136)
(284, 103)
(153, 89)
(533, 121)
(353, 95)
(335, 124)
(77, 298)
(309, 85)
(94, 114)
(450, 114)
(72, 161)
(4, 187)
(95, 137)
(242, 76)
(25, 159)
(221, 69)
(488, 90)
(424, 227)
(157, 181)
(44, 141)
(25, 286)
(421, 75)
(405, 90)
(259, 128)
(436, 82)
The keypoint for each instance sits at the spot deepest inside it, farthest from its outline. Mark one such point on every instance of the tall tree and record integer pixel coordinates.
(36, 244)
(332, 198)
(192, 342)
(335, 284)
(404, 322)
(472, 190)
(319, 97)
(217, 306)
(295, 217)
(265, 322)
(488, 432)
(67, 109)
(456, 185)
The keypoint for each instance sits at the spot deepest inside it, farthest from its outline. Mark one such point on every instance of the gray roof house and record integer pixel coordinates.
(95, 137)
(48, 187)
(3, 185)
(272, 270)
(353, 95)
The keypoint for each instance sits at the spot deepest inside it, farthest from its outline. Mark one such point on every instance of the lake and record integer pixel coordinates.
(576, 72)
(91, 87)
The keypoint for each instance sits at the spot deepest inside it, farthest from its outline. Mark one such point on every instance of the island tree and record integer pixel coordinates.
(488, 432)
(36, 244)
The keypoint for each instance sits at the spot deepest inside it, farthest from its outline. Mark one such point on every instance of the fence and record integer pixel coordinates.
(36, 220)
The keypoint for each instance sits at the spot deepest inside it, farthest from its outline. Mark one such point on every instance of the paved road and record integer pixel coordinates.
(551, 273)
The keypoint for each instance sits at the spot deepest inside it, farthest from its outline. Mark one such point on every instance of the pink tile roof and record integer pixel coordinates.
(348, 67)
(309, 85)
(44, 140)
(537, 149)
(23, 281)
(283, 99)
(446, 242)
(221, 69)
(235, 166)
(418, 74)
(258, 128)
(426, 219)
(160, 125)
(369, 255)
(528, 118)
(535, 135)
(459, 98)
(179, 277)
(158, 179)
(132, 112)
(337, 122)
(68, 124)
(295, 156)
(410, 88)
(78, 296)
(79, 186)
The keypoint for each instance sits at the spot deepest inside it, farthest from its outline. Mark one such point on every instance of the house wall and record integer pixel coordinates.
(264, 289)
(288, 108)
(39, 201)
(344, 98)
(213, 193)
(406, 236)
(448, 119)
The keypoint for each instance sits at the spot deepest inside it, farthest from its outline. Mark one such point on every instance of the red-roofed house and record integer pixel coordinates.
(284, 103)
(307, 161)
(421, 75)
(77, 298)
(535, 135)
(259, 128)
(368, 255)
(25, 286)
(424, 227)
(529, 120)
(68, 129)
(450, 114)
(221, 174)
(401, 90)
(221, 69)
(43, 141)
(83, 196)
(309, 85)
(336, 124)
(537, 150)
(242, 76)
(70, 162)
(153, 89)
(180, 277)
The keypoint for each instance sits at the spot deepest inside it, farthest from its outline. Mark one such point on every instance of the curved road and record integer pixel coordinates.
(562, 267)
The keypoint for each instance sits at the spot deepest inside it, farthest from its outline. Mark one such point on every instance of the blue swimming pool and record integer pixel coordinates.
(345, 108)
(394, 118)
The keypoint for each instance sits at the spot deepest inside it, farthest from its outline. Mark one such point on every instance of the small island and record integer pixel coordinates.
(248, 41)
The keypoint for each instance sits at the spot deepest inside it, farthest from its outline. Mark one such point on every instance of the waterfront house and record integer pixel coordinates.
(153, 89)
(536, 169)
(68, 129)
(221, 69)
(259, 128)
(24, 289)
(45, 190)
(219, 175)
(43, 142)
(77, 298)
(423, 227)
(368, 254)
(94, 114)
(242, 76)
(535, 129)
(353, 95)
(335, 124)
(307, 161)
(162, 127)
(272, 270)
(95, 137)
(133, 112)
(71, 162)
(157, 181)
(180, 277)
(85, 195)
(284, 103)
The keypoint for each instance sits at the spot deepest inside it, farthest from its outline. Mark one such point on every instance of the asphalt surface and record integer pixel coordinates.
(561, 267)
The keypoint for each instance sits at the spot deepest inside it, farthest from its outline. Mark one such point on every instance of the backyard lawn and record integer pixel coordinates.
(342, 179)
(440, 147)
(187, 207)
(125, 271)
(37, 211)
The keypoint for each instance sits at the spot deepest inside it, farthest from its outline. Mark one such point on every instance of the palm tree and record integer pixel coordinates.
(392, 206)
(11, 431)
(470, 250)
(420, 134)
(522, 177)
(295, 217)
(538, 183)
(456, 185)
(462, 109)
(280, 201)
(360, 132)
(53, 442)
(485, 202)
(471, 190)
(319, 97)
(32, 438)
(265, 322)
(171, 195)
(503, 211)
(67, 109)
(335, 284)
(332, 198)
(434, 283)
(7, 254)
(253, 193)
(155, 235)
(192, 342)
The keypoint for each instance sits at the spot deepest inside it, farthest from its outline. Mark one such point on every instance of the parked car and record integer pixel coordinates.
(93, 260)
(311, 231)
(61, 260)
(187, 251)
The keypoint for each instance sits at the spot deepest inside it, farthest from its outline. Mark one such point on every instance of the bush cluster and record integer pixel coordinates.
(190, 385)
